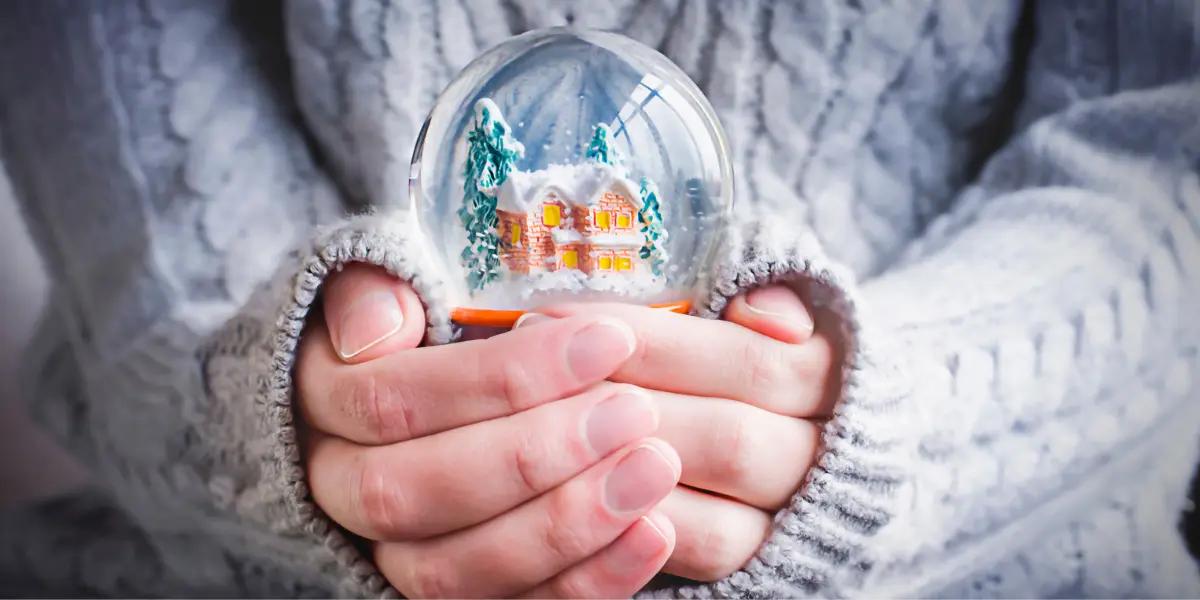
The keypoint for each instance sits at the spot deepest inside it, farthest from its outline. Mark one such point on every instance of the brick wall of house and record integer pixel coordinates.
(618, 203)
(612, 201)
(514, 256)
(541, 243)
(582, 216)
(596, 253)
(582, 252)
(537, 244)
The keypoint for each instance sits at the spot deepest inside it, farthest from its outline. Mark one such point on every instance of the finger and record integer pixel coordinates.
(736, 449)
(467, 475)
(703, 357)
(775, 311)
(370, 313)
(619, 570)
(418, 392)
(539, 539)
(714, 536)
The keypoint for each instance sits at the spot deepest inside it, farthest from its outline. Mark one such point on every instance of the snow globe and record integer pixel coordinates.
(569, 164)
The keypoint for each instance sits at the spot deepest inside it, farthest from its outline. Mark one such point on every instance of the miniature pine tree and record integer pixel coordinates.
(491, 154)
(652, 229)
(598, 149)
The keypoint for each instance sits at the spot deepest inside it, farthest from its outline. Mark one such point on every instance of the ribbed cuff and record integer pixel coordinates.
(817, 547)
(389, 241)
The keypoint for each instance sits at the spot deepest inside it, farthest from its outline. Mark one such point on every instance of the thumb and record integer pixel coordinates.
(774, 310)
(371, 313)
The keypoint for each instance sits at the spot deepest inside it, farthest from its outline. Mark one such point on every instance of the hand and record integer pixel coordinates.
(742, 401)
(495, 467)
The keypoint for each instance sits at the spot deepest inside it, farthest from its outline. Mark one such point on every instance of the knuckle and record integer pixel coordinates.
(382, 412)
(426, 578)
(736, 452)
(527, 465)
(562, 530)
(381, 507)
(715, 554)
(772, 371)
(573, 584)
(761, 366)
(516, 384)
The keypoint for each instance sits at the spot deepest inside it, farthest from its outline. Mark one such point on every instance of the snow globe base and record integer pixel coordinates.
(486, 317)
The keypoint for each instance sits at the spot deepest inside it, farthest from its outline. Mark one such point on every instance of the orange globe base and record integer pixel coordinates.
(507, 318)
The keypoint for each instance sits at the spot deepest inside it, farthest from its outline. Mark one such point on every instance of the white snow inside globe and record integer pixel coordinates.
(570, 164)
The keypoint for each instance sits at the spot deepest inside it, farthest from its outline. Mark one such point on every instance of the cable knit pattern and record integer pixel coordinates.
(1019, 414)
(860, 115)
(1042, 394)
(163, 175)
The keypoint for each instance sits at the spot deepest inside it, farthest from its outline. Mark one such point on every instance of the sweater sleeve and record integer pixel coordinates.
(1016, 411)
(1046, 324)
(156, 157)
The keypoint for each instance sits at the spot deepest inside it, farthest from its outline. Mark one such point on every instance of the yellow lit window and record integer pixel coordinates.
(624, 221)
(605, 262)
(551, 215)
(570, 259)
(624, 263)
(603, 219)
(516, 233)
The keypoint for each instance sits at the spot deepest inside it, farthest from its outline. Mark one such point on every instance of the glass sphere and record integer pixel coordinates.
(570, 164)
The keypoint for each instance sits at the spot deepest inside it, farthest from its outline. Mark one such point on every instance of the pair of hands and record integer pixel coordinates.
(577, 455)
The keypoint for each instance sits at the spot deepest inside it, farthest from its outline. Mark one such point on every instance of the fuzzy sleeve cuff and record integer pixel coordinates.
(253, 358)
(817, 545)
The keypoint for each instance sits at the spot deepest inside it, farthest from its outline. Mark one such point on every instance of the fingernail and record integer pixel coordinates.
(368, 321)
(658, 523)
(623, 418)
(530, 318)
(597, 349)
(642, 544)
(643, 477)
(778, 302)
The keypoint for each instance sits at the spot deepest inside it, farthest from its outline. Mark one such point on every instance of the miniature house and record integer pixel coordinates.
(582, 217)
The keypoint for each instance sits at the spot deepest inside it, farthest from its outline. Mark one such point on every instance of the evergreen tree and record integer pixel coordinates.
(598, 149)
(652, 229)
(491, 154)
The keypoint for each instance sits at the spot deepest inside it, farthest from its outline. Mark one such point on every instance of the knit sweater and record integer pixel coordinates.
(1009, 233)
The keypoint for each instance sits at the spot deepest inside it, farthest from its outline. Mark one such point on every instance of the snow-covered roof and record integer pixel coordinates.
(581, 184)
(565, 236)
(569, 236)
(617, 239)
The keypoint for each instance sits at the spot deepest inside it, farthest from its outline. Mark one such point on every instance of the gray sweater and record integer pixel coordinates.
(1010, 232)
